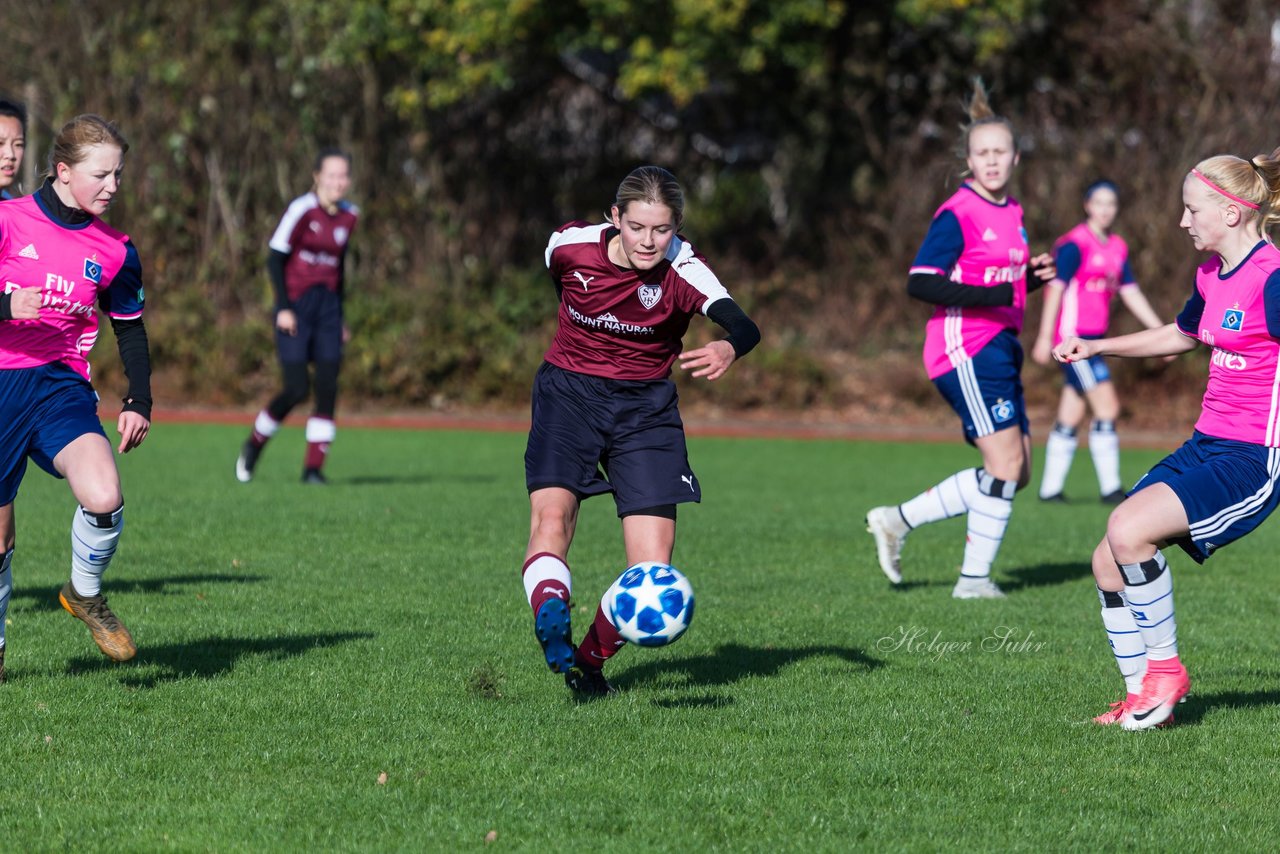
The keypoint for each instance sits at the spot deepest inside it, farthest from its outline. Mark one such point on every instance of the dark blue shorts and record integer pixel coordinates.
(319, 336)
(1085, 376)
(42, 410)
(592, 435)
(1227, 487)
(986, 391)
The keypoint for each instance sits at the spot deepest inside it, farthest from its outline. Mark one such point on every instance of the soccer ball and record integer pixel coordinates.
(650, 604)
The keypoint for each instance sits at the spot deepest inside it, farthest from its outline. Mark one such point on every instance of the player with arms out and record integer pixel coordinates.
(605, 415)
(973, 267)
(1222, 483)
(13, 144)
(308, 251)
(1093, 266)
(60, 262)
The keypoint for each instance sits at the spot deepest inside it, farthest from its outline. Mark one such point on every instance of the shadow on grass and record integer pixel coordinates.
(731, 663)
(1043, 575)
(1198, 705)
(46, 598)
(208, 658)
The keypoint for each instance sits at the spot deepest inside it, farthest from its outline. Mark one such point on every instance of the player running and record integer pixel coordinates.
(973, 267)
(13, 144)
(306, 267)
(1221, 484)
(1093, 266)
(605, 416)
(59, 261)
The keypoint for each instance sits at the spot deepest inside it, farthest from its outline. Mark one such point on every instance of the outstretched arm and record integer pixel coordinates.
(1041, 352)
(1167, 340)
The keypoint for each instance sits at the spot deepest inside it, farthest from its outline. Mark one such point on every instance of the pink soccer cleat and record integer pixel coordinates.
(1160, 693)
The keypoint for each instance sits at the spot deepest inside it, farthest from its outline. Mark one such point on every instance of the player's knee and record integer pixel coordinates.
(554, 522)
(1105, 572)
(1126, 544)
(101, 500)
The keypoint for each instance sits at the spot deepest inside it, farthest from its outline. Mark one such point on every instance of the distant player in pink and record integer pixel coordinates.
(1222, 483)
(1093, 266)
(308, 251)
(13, 145)
(605, 415)
(973, 266)
(60, 264)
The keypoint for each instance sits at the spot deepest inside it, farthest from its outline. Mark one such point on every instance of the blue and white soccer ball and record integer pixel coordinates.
(651, 604)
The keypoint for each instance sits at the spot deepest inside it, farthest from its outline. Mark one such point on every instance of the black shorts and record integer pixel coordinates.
(592, 435)
(319, 335)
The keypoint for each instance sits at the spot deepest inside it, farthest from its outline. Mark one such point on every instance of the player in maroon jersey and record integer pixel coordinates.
(605, 416)
(305, 263)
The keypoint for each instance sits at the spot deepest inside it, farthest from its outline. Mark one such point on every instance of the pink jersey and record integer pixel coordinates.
(1229, 314)
(617, 322)
(315, 241)
(1093, 271)
(994, 250)
(77, 268)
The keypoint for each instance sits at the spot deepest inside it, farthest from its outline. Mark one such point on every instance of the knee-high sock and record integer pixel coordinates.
(601, 642)
(990, 506)
(1125, 639)
(320, 433)
(6, 588)
(1059, 450)
(1104, 447)
(986, 499)
(93, 543)
(1148, 589)
(264, 427)
(943, 501)
(546, 576)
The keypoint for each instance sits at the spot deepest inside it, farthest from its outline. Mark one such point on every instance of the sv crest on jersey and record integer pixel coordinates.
(649, 295)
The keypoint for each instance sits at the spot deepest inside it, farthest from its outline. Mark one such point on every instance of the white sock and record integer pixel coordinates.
(990, 505)
(265, 424)
(1125, 639)
(549, 569)
(940, 502)
(6, 587)
(93, 543)
(1148, 589)
(1058, 453)
(1104, 446)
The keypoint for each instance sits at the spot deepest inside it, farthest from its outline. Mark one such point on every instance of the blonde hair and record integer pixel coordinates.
(980, 113)
(654, 185)
(1255, 181)
(77, 136)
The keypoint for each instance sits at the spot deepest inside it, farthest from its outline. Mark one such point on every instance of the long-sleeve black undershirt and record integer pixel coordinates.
(744, 335)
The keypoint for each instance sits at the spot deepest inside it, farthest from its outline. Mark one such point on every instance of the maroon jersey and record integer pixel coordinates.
(315, 241)
(620, 323)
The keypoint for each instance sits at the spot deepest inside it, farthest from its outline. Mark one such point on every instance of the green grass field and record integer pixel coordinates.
(297, 644)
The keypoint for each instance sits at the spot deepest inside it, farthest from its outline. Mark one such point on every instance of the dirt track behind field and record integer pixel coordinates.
(824, 426)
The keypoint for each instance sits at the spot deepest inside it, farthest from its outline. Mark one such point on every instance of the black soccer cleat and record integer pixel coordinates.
(588, 682)
(1059, 498)
(1113, 497)
(313, 477)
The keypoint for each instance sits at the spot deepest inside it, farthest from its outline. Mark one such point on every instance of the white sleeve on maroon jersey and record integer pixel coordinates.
(280, 241)
(690, 267)
(573, 232)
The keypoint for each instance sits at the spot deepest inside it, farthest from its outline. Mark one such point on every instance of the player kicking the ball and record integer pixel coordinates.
(605, 416)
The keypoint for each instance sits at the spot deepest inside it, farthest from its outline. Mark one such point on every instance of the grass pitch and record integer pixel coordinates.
(353, 668)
